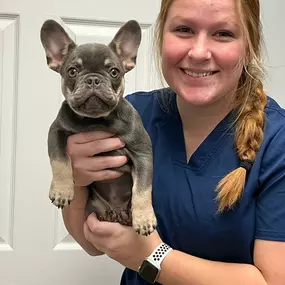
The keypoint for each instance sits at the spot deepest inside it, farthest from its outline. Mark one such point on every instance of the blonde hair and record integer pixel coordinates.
(250, 99)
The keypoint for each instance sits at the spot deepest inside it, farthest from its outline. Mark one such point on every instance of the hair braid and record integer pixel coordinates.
(248, 139)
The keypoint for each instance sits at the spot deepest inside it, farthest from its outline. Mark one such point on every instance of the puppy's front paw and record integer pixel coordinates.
(143, 220)
(61, 195)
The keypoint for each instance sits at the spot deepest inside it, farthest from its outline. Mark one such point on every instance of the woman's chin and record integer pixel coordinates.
(195, 97)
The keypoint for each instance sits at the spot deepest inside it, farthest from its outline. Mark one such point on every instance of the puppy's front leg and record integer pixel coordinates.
(62, 186)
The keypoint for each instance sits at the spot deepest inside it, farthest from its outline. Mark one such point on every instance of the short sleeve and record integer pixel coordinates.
(270, 208)
(145, 103)
(140, 100)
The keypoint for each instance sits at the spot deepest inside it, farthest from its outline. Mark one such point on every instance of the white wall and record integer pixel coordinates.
(273, 20)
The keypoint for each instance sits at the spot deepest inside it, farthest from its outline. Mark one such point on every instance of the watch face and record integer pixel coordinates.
(148, 271)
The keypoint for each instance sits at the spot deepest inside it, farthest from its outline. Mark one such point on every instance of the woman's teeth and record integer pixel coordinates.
(194, 74)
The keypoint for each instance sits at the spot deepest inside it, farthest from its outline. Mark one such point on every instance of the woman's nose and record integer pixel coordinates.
(200, 49)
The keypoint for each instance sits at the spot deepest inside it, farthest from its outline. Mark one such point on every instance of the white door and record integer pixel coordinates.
(35, 248)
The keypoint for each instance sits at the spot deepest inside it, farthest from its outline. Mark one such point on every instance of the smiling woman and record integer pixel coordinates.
(219, 183)
(203, 56)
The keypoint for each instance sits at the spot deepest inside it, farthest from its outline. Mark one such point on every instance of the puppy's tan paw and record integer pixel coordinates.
(61, 195)
(143, 220)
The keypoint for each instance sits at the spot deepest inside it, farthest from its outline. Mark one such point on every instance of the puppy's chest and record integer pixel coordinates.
(97, 124)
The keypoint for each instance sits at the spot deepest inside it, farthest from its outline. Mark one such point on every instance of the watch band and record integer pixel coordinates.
(159, 254)
(150, 268)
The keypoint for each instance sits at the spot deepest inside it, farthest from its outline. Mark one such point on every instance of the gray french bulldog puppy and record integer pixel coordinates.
(92, 78)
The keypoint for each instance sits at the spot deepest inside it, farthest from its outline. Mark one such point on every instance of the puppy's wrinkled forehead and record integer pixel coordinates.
(94, 57)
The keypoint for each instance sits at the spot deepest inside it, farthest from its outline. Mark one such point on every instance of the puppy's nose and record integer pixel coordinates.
(92, 81)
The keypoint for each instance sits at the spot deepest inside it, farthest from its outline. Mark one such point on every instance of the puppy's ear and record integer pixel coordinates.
(126, 43)
(56, 42)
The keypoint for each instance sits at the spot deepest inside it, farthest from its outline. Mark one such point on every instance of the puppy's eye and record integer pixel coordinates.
(114, 72)
(72, 72)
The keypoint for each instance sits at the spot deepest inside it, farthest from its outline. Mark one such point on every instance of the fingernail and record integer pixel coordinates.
(93, 215)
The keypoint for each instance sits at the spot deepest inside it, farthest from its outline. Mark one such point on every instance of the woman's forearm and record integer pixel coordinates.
(179, 268)
(74, 217)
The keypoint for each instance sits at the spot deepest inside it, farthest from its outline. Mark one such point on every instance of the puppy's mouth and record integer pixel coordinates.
(94, 104)
(92, 101)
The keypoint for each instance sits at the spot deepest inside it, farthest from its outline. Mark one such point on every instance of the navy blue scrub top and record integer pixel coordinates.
(184, 193)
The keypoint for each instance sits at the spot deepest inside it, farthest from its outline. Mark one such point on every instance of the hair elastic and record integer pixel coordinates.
(246, 164)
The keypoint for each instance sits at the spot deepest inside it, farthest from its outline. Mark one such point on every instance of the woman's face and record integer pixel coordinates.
(203, 50)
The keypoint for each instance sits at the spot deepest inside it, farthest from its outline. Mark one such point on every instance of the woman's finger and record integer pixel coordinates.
(101, 228)
(99, 163)
(86, 137)
(94, 147)
(89, 177)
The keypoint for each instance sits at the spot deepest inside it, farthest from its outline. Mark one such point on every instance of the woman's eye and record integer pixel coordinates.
(183, 30)
(224, 34)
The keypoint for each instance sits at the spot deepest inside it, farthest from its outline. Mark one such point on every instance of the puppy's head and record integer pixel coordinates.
(92, 74)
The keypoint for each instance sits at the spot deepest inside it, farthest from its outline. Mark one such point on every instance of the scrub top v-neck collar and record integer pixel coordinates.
(174, 131)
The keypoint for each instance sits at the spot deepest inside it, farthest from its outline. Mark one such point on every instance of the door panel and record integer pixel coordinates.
(35, 247)
(8, 92)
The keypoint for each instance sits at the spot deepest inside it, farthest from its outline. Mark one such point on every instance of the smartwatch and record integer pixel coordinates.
(150, 268)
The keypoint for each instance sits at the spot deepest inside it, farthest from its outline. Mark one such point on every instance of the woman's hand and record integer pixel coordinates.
(119, 242)
(82, 147)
